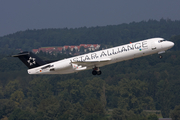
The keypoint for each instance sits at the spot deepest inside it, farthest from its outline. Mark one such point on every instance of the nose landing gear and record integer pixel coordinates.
(96, 71)
(160, 56)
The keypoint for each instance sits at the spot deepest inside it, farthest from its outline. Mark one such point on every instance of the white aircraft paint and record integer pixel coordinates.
(101, 58)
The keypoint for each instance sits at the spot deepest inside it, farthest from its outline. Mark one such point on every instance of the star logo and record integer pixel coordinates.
(31, 61)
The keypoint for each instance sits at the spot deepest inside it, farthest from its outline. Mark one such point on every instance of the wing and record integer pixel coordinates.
(89, 63)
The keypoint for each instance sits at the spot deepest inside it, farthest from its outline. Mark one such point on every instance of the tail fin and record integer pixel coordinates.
(30, 59)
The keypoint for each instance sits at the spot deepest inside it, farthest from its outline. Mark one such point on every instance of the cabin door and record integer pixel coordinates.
(153, 45)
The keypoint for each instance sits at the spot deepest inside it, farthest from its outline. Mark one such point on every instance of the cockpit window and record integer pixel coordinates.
(161, 41)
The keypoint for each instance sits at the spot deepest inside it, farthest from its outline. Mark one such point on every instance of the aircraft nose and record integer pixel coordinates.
(167, 44)
(171, 44)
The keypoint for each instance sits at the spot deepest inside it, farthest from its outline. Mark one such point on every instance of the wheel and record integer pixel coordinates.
(98, 72)
(94, 72)
(160, 56)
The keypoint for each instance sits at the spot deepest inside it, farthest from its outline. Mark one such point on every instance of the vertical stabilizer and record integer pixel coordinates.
(30, 59)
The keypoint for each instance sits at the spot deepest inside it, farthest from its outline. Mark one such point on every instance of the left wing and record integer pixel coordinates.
(81, 65)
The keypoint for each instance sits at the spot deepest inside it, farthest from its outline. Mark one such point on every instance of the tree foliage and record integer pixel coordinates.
(175, 114)
(111, 35)
(124, 89)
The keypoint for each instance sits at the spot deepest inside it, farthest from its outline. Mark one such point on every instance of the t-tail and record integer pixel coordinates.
(30, 59)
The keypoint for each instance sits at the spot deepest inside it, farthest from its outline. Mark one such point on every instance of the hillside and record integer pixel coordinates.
(106, 35)
(124, 90)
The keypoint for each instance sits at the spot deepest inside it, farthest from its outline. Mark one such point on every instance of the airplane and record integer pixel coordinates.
(95, 60)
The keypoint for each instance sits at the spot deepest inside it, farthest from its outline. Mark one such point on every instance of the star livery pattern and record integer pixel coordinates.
(31, 61)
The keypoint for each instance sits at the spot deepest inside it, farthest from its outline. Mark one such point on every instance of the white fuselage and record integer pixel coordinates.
(104, 57)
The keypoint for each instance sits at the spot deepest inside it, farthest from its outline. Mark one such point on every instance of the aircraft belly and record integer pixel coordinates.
(59, 71)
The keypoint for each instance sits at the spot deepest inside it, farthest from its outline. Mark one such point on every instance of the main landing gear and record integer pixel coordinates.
(160, 56)
(96, 71)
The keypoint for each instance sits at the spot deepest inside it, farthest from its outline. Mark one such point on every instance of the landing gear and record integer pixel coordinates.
(160, 56)
(96, 71)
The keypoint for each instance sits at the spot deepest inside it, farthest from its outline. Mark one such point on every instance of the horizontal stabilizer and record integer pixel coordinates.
(20, 54)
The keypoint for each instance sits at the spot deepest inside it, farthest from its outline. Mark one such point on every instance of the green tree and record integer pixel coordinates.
(152, 117)
(70, 90)
(17, 97)
(93, 109)
(52, 109)
(11, 87)
(77, 112)
(164, 97)
(133, 96)
(94, 89)
(1, 93)
(175, 114)
(49, 108)
(121, 114)
(19, 114)
(6, 107)
(38, 90)
(103, 96)
(81, 49)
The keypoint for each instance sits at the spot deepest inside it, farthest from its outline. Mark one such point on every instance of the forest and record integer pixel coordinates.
(125, 90)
